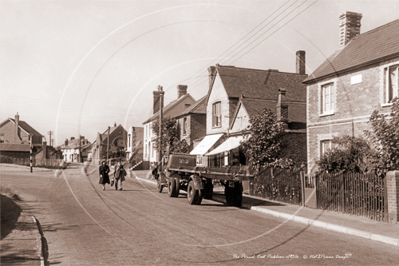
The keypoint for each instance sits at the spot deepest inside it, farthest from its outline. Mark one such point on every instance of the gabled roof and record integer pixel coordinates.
(199, 107)
(381, 43)
(112, 129)
(74, 144)
(168, 107)
(261, 84)
(24, 126)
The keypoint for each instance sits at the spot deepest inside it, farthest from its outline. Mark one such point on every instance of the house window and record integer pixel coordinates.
(327, 98)
(185, 126)
(1, 138)
(324, 146)
(129, 144)
(216, 115)
(391, 83)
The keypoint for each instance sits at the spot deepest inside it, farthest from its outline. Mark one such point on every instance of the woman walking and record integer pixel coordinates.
(119, 175)
(103, 171)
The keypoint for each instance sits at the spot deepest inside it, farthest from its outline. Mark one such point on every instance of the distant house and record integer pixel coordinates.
(237, 94)
(183, 101)
(114, 137)
(134, 145)
(15, 131)
(360, 77)
(75, 150)
(192, 122)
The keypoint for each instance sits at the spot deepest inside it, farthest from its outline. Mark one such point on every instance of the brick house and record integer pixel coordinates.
(360, 77)
(237, 94)
(192, 122)
(46, 152)
(174, 108)
(117, 136)
(16, 131)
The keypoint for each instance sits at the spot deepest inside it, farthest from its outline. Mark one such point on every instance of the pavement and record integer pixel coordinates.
(358, 226)
(25, 244)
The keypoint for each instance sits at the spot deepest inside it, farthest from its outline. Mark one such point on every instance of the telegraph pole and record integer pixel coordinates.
(109, 129)
(50, 133)
(80, 149)
(31, 148)
(161, 93)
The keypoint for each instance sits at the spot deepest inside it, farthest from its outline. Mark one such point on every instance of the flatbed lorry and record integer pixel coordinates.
(182, 173)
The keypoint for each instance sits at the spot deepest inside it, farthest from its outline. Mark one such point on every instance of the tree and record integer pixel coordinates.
(265, 142)
(171, 142)
(385, 136)
(352, 154)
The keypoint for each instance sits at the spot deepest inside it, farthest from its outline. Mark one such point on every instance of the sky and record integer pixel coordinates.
(77, 67)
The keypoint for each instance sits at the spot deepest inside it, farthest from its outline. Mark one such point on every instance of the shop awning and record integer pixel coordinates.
(229, 144)
(205, 144)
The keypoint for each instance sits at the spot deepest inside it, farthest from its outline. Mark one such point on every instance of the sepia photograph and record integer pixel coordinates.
(188, 132)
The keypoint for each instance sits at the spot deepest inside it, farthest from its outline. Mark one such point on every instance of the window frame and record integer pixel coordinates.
(331, 98)
(322, 146)
(390, 91)
(185, 124)
(217, 114)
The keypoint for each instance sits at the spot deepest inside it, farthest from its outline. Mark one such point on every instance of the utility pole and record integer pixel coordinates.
(31, 148)
(109, 129)
(80, 149)
(160, 92)
(50, 133)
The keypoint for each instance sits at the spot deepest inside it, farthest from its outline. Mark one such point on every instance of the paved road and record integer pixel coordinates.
(138, 226)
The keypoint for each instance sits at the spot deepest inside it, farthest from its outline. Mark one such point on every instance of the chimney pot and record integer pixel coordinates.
(282, 106)
(301, 62)
(66, 142)
(16, 130)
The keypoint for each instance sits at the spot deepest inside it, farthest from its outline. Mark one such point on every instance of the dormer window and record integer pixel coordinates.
(216, 115)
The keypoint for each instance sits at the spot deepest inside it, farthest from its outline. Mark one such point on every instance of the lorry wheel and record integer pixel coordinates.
(171, 187)
(233, 194)
(159, 186)
(177, 187)
(228, 193)
(208, 190)
(194, 196)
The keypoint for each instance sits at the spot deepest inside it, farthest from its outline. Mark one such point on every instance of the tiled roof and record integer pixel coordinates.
(25, 126)
(262, 84)
(74, 144)
(199, 107)
(296, 110)
(367, 48)
(167, 108)
(15, 147)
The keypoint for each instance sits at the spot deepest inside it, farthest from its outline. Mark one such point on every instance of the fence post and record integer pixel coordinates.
(392, 180)
(302, 174)
(343, 193)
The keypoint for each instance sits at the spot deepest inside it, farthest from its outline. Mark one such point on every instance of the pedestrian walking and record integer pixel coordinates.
(103, 171)
(119, 175)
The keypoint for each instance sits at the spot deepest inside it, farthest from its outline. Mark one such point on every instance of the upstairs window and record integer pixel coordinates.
(327, 98)
(216, 115)
(391, 83)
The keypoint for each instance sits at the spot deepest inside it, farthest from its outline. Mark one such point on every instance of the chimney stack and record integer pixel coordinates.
(282, 107)
(66, 142)
(181, 90)
(156, 100)
(212, 73)
(16, 131)
(349, 27)
(300, 62)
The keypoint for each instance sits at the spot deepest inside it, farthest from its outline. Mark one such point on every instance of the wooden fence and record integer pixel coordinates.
(353, 193)
(277, 184)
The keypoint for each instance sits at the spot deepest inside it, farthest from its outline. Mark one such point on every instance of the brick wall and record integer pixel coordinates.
(354, 102)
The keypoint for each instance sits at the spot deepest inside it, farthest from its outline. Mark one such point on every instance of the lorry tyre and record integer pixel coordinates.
(194, 196)
(159, 186)
(208, 190)
(177, 187)
(171, 187)
(233, 194)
